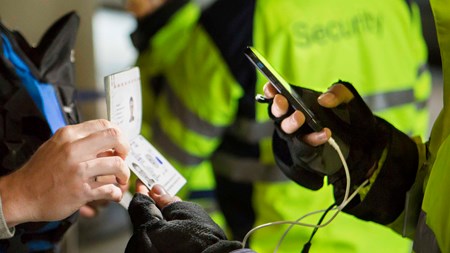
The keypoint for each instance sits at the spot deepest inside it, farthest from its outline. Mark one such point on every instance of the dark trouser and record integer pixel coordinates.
(235, 202)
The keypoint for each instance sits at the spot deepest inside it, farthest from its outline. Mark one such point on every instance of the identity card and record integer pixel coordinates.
(124, 107)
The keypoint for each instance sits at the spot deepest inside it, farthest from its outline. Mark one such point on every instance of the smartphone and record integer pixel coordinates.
(282, 87)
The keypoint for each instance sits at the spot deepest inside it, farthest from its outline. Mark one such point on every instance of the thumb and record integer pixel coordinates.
(162, 197)
(336, 95)
(141, 188)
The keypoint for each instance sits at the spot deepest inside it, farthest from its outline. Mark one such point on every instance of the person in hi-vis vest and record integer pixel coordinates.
(199, 108)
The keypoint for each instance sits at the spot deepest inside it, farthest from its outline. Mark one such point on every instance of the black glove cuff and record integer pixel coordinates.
(386, 198)
(142, 210)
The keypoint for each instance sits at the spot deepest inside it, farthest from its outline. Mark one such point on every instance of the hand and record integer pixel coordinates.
(306, 157)
(334, 97)
(141, 8)
(62, 175)
(163, 223)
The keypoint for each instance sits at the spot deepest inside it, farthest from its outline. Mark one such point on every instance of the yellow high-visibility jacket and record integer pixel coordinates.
(199, 94)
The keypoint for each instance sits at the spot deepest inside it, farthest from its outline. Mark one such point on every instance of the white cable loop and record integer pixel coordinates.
(345, 201)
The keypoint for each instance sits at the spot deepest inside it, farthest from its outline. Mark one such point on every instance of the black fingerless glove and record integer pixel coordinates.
(180, 227)
(308, 165)
(361, 136)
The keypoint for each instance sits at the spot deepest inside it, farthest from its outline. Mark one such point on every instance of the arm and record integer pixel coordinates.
(376, 151)
(163, 29)
(79, 164)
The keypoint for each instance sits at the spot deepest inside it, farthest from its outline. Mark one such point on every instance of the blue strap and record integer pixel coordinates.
(43, 94)
(40, 245)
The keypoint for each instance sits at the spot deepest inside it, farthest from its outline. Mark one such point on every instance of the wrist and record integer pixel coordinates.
(15, 208)
(385, 198)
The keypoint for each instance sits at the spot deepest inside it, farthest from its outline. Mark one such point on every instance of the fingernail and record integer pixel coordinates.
(322, 136)
(276, 110)
(265, 89)
(327, 98)
(159, 190)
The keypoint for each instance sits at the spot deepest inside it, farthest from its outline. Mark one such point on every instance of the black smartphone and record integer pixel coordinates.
(282, 87)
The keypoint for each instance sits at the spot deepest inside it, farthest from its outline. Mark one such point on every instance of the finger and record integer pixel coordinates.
(317, 138)
(280, 106)
(141, 188)
(269, 90)
(81, 130)
(107, 192)
(89, 147)
(105, 167)
(292, 123)
(106, 153)
(161, 197)
(336, 95)
(93, 208)
(107, 179)
(87, 212)
(98, 204)
(124, 187)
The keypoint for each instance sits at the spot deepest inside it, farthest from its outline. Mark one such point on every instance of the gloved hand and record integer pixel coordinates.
(305, 157)
(358, 132)
(179, 227)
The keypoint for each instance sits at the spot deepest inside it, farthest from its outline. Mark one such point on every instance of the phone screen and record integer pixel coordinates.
(282, 87)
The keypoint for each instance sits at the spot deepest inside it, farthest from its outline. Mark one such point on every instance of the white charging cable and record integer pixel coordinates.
(345, 201)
